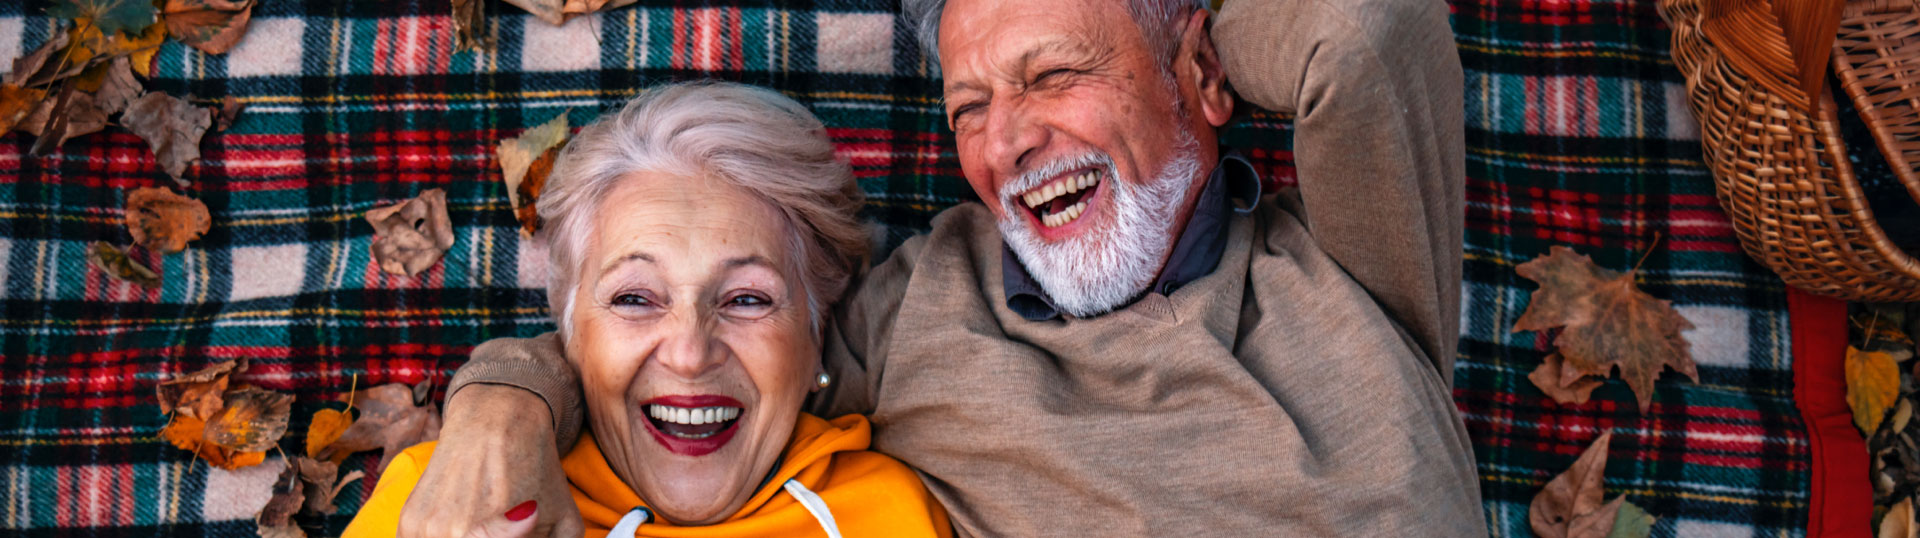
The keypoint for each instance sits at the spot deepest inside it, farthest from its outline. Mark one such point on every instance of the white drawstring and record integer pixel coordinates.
(815, 505)
(629, 525)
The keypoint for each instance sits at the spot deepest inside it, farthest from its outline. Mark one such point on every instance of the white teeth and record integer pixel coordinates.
(1044, 195)
(692, 416)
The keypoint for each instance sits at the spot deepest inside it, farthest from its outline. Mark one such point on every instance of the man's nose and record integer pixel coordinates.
(690, 348)
(1014, 137)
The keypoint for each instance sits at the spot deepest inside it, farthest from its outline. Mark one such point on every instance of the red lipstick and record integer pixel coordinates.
(692, 446)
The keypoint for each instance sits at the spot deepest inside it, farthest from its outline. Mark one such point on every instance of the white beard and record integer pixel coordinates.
(1102, 269)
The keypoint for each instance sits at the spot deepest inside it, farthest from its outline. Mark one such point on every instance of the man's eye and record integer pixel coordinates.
(1049, 74)
(963, 110)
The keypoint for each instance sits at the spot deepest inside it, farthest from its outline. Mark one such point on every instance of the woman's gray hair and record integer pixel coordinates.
(751, 138)
(1159, 21)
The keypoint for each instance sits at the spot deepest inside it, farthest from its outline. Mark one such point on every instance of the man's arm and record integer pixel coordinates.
(537, 365)
(1375, 90)
(856, 339)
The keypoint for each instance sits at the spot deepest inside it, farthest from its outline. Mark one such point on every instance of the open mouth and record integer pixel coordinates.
(693, 425)
(1062, 201)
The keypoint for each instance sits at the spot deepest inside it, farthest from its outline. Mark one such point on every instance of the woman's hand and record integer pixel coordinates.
(495, 453)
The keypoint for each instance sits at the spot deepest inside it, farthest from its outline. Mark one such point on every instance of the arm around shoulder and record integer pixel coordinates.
(536, 365)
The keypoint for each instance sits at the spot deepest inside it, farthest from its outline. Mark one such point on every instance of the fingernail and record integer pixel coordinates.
(521, 512)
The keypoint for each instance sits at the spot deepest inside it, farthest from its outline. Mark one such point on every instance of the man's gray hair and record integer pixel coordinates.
(751, 138)
(1159, 20)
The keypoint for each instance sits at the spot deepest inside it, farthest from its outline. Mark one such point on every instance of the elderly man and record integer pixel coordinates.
(1126, 338)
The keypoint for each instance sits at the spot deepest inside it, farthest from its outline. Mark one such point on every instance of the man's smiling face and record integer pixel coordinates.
(1077, 138)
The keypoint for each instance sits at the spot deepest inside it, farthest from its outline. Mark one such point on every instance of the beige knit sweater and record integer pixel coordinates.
(1301, 389)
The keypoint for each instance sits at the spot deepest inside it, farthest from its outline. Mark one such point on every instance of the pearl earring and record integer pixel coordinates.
(824, 380)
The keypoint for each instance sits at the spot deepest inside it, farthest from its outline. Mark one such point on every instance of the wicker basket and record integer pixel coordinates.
(1783, 177)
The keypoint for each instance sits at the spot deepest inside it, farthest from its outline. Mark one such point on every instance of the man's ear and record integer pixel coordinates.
(1198, 63)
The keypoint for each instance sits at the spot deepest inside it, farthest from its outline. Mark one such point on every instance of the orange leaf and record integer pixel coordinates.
(1605, 321)
(213, 26)
(326, 427)
(188, 433)
(199, 394)
(164, 221)
(1873, 386)
(15, 103)
(253, 420)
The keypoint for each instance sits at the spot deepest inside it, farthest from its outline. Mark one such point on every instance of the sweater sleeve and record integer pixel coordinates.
(538, 365)
(857, 337)
(1375, 90)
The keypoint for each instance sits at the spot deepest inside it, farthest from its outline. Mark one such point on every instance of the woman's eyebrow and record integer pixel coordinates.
(742, 261)
(630, 257)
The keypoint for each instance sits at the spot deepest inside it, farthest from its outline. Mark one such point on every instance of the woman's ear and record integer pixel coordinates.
(1197, 65)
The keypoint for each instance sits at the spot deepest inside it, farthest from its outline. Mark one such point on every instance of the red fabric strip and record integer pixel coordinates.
(1841, 503)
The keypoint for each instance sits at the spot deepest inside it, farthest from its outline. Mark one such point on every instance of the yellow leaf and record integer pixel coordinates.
(15, 103)
(1873, 385)
(189, 434)
(326, 427)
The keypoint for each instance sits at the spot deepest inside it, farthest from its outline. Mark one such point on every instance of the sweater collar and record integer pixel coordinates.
(1195, 254)
(603, 498)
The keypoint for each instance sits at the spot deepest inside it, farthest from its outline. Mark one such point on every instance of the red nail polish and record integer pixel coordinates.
(521, 512)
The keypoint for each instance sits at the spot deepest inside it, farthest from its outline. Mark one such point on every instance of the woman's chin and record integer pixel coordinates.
(698, 508)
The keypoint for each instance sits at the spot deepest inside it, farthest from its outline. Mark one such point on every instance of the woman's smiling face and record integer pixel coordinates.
(693, 340)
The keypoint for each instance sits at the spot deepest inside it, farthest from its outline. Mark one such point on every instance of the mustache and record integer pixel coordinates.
(1038, 175)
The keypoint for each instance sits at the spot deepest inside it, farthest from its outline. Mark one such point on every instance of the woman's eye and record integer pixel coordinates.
(629, 299)
(748, 300)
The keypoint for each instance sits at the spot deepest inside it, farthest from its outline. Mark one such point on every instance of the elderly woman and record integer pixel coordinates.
(697, 237)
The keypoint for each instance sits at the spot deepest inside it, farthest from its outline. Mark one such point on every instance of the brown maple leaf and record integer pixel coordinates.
(388, 421)
(172, 127)
(200, 394)
(413, 235)
(253, 420)
(1605, 321)
(1571, 506)
(1550, 379)
(164, 221)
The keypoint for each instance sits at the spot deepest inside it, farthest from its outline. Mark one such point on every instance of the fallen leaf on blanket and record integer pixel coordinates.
(1898, 523)
(199, 394)
(289, 496)
(556, 12)
(112, 84)
(119, 266)
(283, 531)
(412, 235)
(525, 161)
(1548, 378)
(164, 221)
(189, 434)
(57, 120)
(388, 421)
(1873, 385)
(1632, 522)
(172, 127)
(1571, 505)
(253, 420)
(228, 112)
(28, 67)
(323, 483)
(141, 49)
(470, 26)
(110, 16)
(213, 26)
(326, 427)
(1605, 321)
(16, 103)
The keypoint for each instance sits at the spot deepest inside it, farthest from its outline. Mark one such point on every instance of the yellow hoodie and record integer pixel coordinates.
(864, 493)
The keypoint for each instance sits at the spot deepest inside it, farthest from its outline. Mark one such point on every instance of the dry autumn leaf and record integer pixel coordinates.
(200, 394)
(326, 427)
(1548, 377)
(164, 221)
(16, 103)
(27, 69)
(413, 235)
(189, 434)
(1873, 385)
(117, 87)
(388, 421)
(213, 26)
(1898, 523)
(1632, 522)
(172, 127)
(289, 496)
(470, 26)
(323, 483)
(1605, 321)
(252, 421)
(1571, 505)
(228, 112)
(119, 266)
(525, 161)
(283, 531)
(557, 12)
(55, 121)
(110, 16)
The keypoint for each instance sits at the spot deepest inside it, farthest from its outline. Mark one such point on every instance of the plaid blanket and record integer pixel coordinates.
(1576, 135)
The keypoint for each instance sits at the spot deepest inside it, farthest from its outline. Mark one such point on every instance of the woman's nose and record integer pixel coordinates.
(689, 348)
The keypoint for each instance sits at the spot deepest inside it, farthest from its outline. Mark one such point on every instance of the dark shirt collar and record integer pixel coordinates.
(1196, 254)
